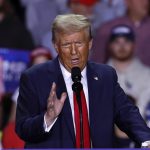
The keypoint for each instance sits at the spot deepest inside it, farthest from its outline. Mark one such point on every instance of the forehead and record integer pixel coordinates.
(74, 36)
(121, 38)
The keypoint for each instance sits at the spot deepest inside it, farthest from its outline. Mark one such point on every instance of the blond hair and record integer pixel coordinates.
(70, 23)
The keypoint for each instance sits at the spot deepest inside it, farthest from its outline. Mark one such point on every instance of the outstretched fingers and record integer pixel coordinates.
(63, 97)
(52, 95)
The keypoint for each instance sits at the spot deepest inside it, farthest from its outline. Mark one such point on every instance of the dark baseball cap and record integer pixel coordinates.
(122, 31)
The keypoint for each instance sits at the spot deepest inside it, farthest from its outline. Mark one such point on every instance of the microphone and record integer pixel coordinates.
(76, 78)
(76, 74)
(77, 88)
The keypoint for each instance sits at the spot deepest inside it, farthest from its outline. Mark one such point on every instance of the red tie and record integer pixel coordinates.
(86, 129)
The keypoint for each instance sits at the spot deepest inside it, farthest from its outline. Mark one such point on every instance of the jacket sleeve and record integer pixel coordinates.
(29, 120)
(127, 116)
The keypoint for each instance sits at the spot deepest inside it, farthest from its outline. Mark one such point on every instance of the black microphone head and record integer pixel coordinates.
(76, 74)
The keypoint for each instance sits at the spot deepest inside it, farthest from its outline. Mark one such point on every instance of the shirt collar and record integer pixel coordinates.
(67, 74)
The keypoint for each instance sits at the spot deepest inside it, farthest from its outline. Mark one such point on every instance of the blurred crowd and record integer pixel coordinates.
(121, 39)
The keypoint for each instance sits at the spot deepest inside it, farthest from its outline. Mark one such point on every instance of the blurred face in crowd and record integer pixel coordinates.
(138, 7)
(73, 49)
(40, 59)
(40, 55)
(121, 49)
(82, 9)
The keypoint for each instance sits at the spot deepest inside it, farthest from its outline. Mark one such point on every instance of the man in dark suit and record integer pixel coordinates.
(47, 115)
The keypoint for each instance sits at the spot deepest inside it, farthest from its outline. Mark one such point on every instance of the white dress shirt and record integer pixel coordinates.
(68, 81)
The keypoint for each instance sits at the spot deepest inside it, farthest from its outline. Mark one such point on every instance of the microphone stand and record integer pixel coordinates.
(77, 87)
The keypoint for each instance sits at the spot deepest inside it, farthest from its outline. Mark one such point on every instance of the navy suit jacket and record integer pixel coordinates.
(108, 105)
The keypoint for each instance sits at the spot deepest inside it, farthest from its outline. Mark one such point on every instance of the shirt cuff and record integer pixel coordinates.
(146, 144)
(46, 127)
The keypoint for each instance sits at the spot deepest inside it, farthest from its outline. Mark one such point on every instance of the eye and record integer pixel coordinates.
(65, 45)
(79, 43)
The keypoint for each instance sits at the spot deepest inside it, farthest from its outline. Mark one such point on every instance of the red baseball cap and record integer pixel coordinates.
(85, 2)
(40, 51)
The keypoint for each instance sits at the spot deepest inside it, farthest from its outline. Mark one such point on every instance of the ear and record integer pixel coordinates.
(56, 47)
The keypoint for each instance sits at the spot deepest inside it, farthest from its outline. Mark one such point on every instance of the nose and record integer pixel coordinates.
(73, 49)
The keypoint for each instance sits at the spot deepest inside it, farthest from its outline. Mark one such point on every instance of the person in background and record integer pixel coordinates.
(9, 138)
(137, 17)
(107, 10)
(133, 75)
(39, 15)
(19, 9)
(118, 6)
(13, 33)
(83, 7)
(40, 55)
(98, 11)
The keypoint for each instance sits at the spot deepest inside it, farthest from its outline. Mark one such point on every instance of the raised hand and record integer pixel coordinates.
(54, 105)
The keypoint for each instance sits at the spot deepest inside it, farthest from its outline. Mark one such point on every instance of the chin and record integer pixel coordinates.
(75, 65)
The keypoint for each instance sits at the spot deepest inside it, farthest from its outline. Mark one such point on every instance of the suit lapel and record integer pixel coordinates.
(66, 111)
(94, 87)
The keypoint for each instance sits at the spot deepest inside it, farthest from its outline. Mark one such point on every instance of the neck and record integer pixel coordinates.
(121, 66)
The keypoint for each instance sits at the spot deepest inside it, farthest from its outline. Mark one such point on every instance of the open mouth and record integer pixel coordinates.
(75, 61)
